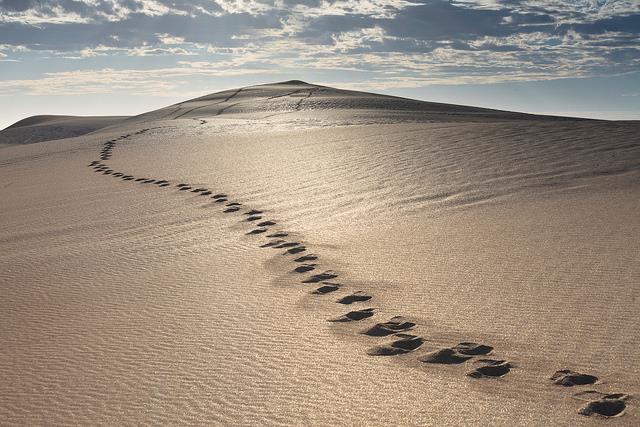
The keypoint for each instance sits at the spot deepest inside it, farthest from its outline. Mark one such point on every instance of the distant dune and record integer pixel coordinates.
(295, 254)
(45, 128)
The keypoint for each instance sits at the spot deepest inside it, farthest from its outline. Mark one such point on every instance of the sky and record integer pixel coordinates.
(124, 57)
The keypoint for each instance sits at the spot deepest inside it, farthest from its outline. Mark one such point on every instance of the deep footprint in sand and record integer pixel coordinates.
(327, 275)
(220, 200)
(253, 212)
(271, 243)
(288, 245)
(569, 378)
(253, 218)
(232, 209)
(473, 349)
(491, 369)
(305, 268)
(394, 325)
(295, 250)
(326, 288)
(234, 204)
(358, 296)
(205, 193)
(306, 258)
(278, 234)
(354, 316)
(445, 356)
(266, 223)
(602, 404)
(184, 188)
(406, 344)
(258, 231)
(219, 196)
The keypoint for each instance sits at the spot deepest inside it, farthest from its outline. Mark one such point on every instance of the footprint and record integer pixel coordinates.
(182, 185)
(266, 223)
(257, 231)
(234, 204)
(271, 243)
(445, 356)
(296, 250)
(306, 258)
(288, 245)
(219, 196)
(149, 181)
(232, 209)
(253, 218)
(472, 349)
(354, 316)
(220, 200)
(305, 268)
(183, 188)
(319, 277)
(406, 344)
(162, 181)
(278, 234)
(198, 190)
(326, 288)
(394, 325)
(140, 179)
(492, 368)
(253, 212)
(355, 297)
(166, 184)
(568, 378)
(609, 405)
(205, 193)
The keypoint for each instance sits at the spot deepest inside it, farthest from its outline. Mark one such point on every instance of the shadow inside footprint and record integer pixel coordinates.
(304, 268)
(219, 196)
(445, 356)
(354, 316)
(569, 378)
(266, 223)
(251, 212)
(394, 325)
(354, 297)
(492, 368)
(183, 188)
(296, 250)
(232, 209)
(406, 344)
(253, 218)
(278, 234)
(257, 231)
(319, 277)
(326, 288)
(472, 349)
(205, 193)
(306, 258)
(605, 407)
(271, 243)
(234, 204)
(287, 245)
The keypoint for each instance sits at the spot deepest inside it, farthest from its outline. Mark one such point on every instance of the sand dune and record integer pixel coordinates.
(293, 254)
(45, 128)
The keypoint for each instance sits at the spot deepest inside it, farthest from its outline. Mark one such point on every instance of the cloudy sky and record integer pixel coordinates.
(575, 57)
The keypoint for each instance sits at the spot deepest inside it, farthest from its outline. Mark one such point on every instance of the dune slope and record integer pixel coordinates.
(45, 128)
(292, 254)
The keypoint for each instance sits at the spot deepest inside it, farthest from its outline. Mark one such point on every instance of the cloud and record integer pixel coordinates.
(422, 41)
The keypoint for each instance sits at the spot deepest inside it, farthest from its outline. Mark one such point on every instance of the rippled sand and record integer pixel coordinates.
(128, 299)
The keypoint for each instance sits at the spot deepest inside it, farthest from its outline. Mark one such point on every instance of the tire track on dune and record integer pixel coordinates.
(397, 332)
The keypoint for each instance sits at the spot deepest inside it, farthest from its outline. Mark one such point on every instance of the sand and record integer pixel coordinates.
(292, 254)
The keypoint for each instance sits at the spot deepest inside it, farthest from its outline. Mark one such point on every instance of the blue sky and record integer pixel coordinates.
(571, 57)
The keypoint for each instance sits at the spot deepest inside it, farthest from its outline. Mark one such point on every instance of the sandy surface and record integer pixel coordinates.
(46, 128)
(133, 302)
